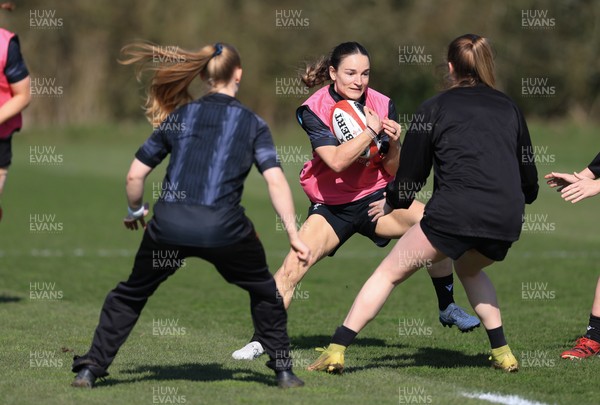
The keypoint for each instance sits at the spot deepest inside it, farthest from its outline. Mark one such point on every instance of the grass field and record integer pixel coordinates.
(63, 247)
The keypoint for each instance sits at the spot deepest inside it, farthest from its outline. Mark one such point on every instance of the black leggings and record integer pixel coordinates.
(243, 264)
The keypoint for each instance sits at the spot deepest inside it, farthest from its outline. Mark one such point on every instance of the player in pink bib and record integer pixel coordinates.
(15, 95)
(344, 189)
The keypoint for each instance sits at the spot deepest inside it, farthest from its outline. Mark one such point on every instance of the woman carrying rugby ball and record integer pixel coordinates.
(484, 176)
(345, 189)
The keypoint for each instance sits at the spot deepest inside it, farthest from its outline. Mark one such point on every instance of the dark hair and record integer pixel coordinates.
(472, 58)
(318, 72)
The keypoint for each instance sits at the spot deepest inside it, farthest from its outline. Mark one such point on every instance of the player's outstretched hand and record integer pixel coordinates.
(302, 251)
(560, 180)
(378, 209)
(132, 218)
(583, 188)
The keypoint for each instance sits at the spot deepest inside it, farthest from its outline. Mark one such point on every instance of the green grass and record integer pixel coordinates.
(93, 252)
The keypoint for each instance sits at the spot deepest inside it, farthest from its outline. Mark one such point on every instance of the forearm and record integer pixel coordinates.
(392, 158)
(283, 203)
(13, 106)
(135, 192)
(348, 152)
(587, 173)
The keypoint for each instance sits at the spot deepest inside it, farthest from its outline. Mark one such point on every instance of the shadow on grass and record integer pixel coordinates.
(428, 357)
(310, 342)
(6, 299)
(190, 372)
(424, 356)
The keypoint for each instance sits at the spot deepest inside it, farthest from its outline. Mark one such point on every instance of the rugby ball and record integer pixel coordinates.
(348, 120)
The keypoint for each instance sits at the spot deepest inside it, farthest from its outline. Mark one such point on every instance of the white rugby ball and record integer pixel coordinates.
(347, 121)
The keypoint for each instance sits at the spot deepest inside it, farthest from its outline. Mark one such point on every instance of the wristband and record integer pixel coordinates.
(136, 214)
(372, 134)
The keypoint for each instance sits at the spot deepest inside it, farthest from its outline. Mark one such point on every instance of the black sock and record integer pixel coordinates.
(593, 329)
(343, 336)
(496, 337)
(444, 288)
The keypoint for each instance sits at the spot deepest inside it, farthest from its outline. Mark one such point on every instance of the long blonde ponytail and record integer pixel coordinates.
(173, 70)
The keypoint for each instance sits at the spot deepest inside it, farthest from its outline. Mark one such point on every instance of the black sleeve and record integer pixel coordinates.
(318, 133)
(416, 159)
(529, 175)
(385, 139)
(155, 149)
(595, 166)
(392, 113)
(15, 69)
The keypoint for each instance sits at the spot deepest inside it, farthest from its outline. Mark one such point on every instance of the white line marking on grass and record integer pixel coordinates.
(501, 399)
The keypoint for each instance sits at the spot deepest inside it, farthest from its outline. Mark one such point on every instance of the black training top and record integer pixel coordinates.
(595, 166)
(15, 69)
(484, 169)
(213, 142)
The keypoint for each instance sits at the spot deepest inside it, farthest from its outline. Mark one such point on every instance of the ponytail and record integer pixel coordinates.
(473, 61)
(173, 70)
(316, 73)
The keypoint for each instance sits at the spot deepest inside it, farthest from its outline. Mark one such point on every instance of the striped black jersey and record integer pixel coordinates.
(213, 142)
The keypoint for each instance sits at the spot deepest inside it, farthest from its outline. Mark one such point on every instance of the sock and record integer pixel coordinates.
(444, 288)
(343, 336)
(593, 329)
(496, 337)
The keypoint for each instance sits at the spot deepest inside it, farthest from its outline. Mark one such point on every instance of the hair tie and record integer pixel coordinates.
(218, 49)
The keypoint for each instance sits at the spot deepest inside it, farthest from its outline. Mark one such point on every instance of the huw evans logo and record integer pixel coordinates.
(45, 20)
(44, 358)
(537, 154)
(167, 55)
(44, 223)
(537, 87)
(414, 123)
(291, 154)
(291, 19)
(167, 327)
(537, 19)
(414, 395)
(45, 87)
(531, 290)
(167, 395)
(290, 87)
(537, 223)
(413, 327)
(44, 291)
(413, 55)
(45, 155)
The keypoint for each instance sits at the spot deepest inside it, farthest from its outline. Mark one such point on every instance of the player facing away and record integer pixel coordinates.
(213, 141)
(344, 188)
(15, 95)
(574, 188)
(481, 148)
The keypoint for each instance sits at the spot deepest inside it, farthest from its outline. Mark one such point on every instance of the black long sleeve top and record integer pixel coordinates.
(595, 166)
(478, 143)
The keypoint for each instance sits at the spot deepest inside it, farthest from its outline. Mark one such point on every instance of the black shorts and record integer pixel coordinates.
(348, 219)
(454, 246)
(5, 151)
